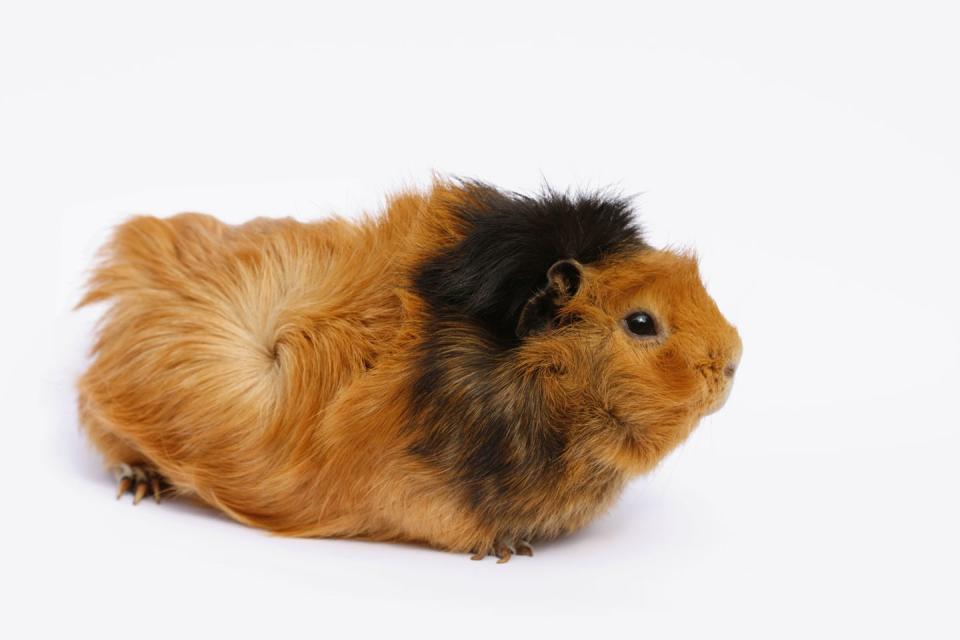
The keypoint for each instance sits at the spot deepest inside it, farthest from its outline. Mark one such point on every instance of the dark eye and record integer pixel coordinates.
(641, 323)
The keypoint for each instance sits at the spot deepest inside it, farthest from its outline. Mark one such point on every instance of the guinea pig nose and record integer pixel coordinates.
(731, 368)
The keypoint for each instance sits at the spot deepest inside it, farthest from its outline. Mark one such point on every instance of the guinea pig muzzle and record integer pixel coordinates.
(719, 379)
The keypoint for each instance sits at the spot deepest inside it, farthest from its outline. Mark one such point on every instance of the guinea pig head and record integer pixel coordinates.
(643, 352)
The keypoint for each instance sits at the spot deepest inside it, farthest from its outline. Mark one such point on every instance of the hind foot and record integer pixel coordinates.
(138, 479)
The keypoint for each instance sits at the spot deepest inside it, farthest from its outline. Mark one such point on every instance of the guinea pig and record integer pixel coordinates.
(474, 369)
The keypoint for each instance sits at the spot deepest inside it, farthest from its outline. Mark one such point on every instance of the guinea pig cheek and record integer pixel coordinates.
(682, 384)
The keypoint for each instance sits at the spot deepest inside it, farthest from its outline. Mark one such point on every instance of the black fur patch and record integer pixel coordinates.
(492, 433)
(487, 430)
(511, 241)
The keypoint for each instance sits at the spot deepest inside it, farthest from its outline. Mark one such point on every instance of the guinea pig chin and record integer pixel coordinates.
(719, 399)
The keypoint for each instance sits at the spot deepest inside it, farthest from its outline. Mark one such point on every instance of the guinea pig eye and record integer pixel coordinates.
(641, 323)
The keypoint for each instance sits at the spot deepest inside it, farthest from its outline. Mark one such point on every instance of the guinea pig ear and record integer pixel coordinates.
(540, 311)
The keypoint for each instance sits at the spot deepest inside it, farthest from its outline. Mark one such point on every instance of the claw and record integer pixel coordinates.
(479, 555)
(524, 548)
(141, 479)
(122, 487)
(504, 553)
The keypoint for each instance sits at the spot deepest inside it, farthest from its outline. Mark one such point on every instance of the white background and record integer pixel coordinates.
(809, 151)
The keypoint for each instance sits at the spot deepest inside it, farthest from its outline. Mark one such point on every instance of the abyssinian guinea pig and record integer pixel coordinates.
(474, 369)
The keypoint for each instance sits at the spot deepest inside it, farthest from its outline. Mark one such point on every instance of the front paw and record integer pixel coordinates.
(504, 550)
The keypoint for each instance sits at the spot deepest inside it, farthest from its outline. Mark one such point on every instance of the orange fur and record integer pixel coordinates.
(266, 369)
